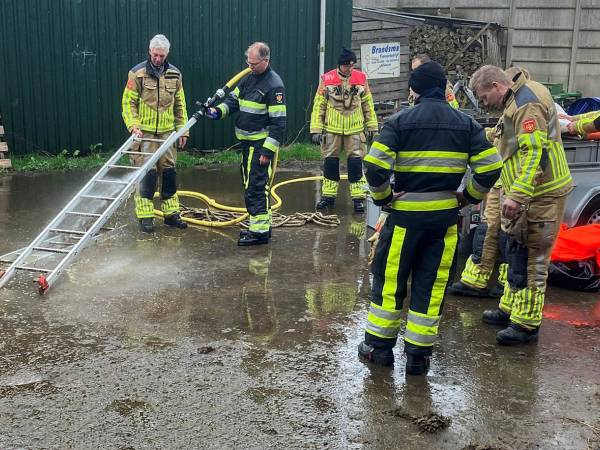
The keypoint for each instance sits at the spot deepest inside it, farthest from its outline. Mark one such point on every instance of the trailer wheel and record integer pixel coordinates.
(591, 213)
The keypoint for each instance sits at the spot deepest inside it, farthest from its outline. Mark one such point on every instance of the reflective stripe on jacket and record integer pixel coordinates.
(428, 148)
(259, 101)
(154, 102)
(530, 144)
(343, 104)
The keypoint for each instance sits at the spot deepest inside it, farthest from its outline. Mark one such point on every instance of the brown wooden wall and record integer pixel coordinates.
(369, 28)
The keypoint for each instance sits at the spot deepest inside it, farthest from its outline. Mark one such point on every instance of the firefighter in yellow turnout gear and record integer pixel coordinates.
(487, 240)
(342, 111)
(535, 180)
(428, 148)
(153, 107)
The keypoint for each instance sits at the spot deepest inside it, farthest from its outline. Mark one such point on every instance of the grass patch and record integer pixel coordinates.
(300, 152)
(40, 163)
(65, 162)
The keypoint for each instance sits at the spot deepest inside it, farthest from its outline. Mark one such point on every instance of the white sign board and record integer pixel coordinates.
(380, 60)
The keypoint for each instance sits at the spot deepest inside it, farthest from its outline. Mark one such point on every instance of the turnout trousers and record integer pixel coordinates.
(257, 187)
(428, 257)
(486, 246)
(527, 251)
(354, 147)
(164, 173)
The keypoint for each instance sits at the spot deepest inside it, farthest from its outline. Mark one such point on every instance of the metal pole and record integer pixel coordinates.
(322, 37)
(511, 31)
(574, 45)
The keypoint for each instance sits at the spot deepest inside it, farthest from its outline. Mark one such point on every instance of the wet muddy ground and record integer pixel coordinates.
(184, 340)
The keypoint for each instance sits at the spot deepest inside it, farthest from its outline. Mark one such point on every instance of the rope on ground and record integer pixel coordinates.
(219, 215)
(279, 220)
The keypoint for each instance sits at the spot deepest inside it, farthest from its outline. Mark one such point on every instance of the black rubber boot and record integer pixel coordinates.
(515, 334)
(252, 238)
(147, 225)
(496, 317)
(359, 205)
(326, 202)
(496, 291)
(245, 232)
(379, 356)
(417, 364)
(460, 288)
(175, 221)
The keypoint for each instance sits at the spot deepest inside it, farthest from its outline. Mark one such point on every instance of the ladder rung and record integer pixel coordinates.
(112, 181)
(79, 213)
(47, 249)
(33, 269)
(150, 140)
(129, 152)
(59, 230)
(63, 243)
(98, 197)
(116, 166)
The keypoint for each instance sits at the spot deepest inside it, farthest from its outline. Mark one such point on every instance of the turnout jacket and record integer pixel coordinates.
(259, 101)
(587, 122)
(528, 138)
(427, 148)
(343, 104)
(154, 100)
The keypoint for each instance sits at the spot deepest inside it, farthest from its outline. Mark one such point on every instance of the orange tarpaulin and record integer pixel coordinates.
(577, 244)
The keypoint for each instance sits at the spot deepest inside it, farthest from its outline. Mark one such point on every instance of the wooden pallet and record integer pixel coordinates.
(5, 162)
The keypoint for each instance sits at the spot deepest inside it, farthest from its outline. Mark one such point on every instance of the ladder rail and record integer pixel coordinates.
(27, 252)
(150, 162)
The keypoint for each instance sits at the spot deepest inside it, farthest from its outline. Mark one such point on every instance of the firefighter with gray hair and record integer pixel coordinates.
(535, 181)
(258, 102)
(153, 106)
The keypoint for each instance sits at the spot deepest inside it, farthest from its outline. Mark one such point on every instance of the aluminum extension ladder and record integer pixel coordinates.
(84, 216)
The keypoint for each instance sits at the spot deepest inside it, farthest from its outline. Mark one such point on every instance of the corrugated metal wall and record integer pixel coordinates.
(556, 40)
(64, 63)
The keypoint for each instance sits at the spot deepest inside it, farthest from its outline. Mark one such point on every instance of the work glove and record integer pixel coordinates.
(212, 113)
(316, 138)
(374, 239)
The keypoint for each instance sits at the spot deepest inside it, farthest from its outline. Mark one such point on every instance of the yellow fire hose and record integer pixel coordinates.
(210, 202)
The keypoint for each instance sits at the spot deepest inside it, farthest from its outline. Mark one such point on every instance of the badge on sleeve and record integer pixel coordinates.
(529, 126)
(279, 97)
(131, 84)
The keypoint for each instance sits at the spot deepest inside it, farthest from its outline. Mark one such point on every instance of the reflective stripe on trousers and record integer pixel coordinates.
(256, 188)
(426, 254)
(525, 289)
(473, 276)
(144, 208)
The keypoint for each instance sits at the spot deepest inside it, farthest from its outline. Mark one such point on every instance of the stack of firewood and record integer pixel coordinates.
(445, 45)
